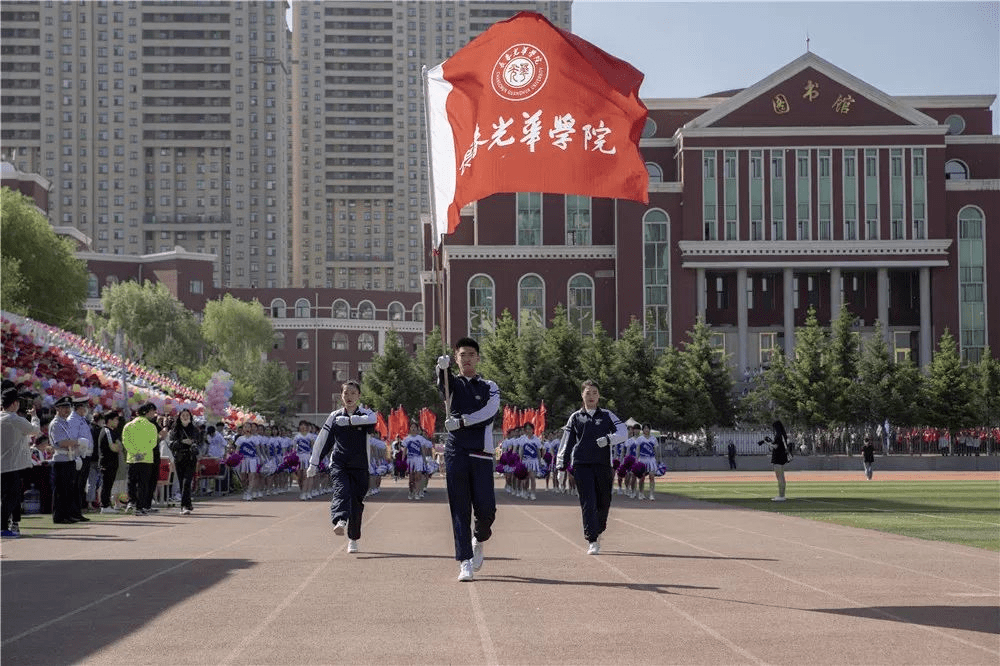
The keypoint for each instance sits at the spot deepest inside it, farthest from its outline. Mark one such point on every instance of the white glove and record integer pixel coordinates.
(343, 420)
(603, 441)
(311, 472)
(79, 464)
(452, 424)
(84, 446)
(444, 362)
(360, 419)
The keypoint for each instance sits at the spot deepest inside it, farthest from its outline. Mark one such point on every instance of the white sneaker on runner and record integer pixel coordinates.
(340, 527)
(777, 499)
(352, 545)
(594, 548)
(465, 571)
(477, 555)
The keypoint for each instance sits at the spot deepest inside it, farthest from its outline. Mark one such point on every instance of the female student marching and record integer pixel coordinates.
(345, 434)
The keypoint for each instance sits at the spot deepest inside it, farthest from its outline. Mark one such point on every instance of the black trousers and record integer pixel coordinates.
(593, 483)
(10, 498)
(470, 492)
(64, 494)
(81, 483)
(349, 487)
(108, 475)
(185, 476)
(139, 475)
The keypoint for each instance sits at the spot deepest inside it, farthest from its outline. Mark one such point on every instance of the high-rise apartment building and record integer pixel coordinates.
(160, 124)
(359, 162)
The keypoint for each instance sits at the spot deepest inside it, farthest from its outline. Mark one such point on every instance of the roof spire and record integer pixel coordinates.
(807, 41)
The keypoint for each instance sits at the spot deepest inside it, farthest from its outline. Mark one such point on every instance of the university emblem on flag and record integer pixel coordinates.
(520, 72)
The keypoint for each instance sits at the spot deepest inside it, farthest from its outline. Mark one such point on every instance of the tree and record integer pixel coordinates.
(239, 332)
(988, 388)
(40, 275)
(713, 377)
(948, 389)
(559, 368)
(528, 381)
(842, 363)
(877, 381)
(152, 318)
(674, 389)
(594, 357)
(272, 396)
(499, 353)
(394, 380)
(426, 364)
(630, 392)
(808, 376)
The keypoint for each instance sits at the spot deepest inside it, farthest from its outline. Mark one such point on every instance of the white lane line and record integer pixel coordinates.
(901, 513)
(124, 590)
(489, 652)
(248, 640)
(659, 597)
(838, 552)
(839, 597)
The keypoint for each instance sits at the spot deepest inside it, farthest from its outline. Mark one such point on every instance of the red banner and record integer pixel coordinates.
(527, 107)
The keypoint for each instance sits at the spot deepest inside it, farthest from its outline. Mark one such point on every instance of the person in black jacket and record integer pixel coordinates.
(780, 455)
(344, 437)
(109, 444)
(586, 447)
(184, 441)
(471, 403)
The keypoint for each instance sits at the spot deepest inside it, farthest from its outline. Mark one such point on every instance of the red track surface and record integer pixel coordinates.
(677, 582)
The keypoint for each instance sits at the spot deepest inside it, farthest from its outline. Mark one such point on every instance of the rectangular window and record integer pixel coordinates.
(918, 194)
(529, 218)
(578, 211)
(803, 195)
(825, 193)
(709, 196)
(850, 195)
(756, 195)
(871, 194)
(731, 192)
(768, 344)
(777, 195)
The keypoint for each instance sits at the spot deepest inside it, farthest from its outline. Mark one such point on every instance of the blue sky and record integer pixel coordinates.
(691, 49)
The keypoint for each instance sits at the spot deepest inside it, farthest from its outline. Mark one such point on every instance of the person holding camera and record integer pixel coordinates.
(780, 455)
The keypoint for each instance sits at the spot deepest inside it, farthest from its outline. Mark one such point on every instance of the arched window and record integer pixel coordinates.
(655, 172)
(971, 283)
(955, 170)
(341, 310)
(482, 318)
(418, 312)
(110, 281)
(649, 129)
(279, 341)
(278, 308)
(366, 310)
(93, 286)
(581, 304)
(302, 340)
(530, 302)
(366, 342)
(302, 309)
(339, 341)
(656, 277)
(396, 311)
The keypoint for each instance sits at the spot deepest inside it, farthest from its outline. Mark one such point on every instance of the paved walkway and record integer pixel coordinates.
(678, 582)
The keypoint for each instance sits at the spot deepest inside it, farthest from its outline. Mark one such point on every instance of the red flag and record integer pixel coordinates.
(427, 421)
(540, 420)
(380, 426)
(528, 416)
(528, 107)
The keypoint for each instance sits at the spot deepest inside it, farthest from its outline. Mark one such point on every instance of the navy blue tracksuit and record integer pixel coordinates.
(469, 459)
(348, 465)
(591, 463)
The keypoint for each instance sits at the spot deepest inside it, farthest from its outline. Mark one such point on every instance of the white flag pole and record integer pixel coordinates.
(437, 252)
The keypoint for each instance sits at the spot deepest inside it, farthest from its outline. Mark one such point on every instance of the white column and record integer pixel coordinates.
(835, 303)
(926, 342)
(789, 311)
(702, 296)
(883, 301)
(741, 320)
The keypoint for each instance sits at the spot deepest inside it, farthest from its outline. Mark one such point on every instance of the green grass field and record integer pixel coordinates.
(963, 512)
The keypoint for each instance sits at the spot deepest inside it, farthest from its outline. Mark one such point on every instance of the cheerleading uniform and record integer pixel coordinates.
(531, 454)
(303, 448)
(415, 445)
(646, 453)
(247, 447)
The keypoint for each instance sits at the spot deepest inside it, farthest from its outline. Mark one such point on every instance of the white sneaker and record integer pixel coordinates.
(651, 497)
(108, 509)
(594, 548)
(185, 512)
(352, 545)
(532, 496)
(777, 499)
(477, 555)
(409, 496)
(340, 527)
(465, 571)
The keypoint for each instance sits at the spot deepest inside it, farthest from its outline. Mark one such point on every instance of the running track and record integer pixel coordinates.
(677, 582)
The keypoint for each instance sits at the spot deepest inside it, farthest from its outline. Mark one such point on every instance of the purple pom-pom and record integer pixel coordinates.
(639, 469)
(521, 471)
(234, 459)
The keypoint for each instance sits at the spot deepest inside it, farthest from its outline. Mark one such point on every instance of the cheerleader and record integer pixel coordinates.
(630, 449)
(377, 464)
(303, 448)
(617, 458)
(415, 446)
(646, 454)
(345, 438)
(531, 453)
(509, 447)
(249, 466)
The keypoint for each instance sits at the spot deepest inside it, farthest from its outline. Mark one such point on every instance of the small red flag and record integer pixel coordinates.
(427, 421)
(540, 420)
(528, 107)
(380, 426)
